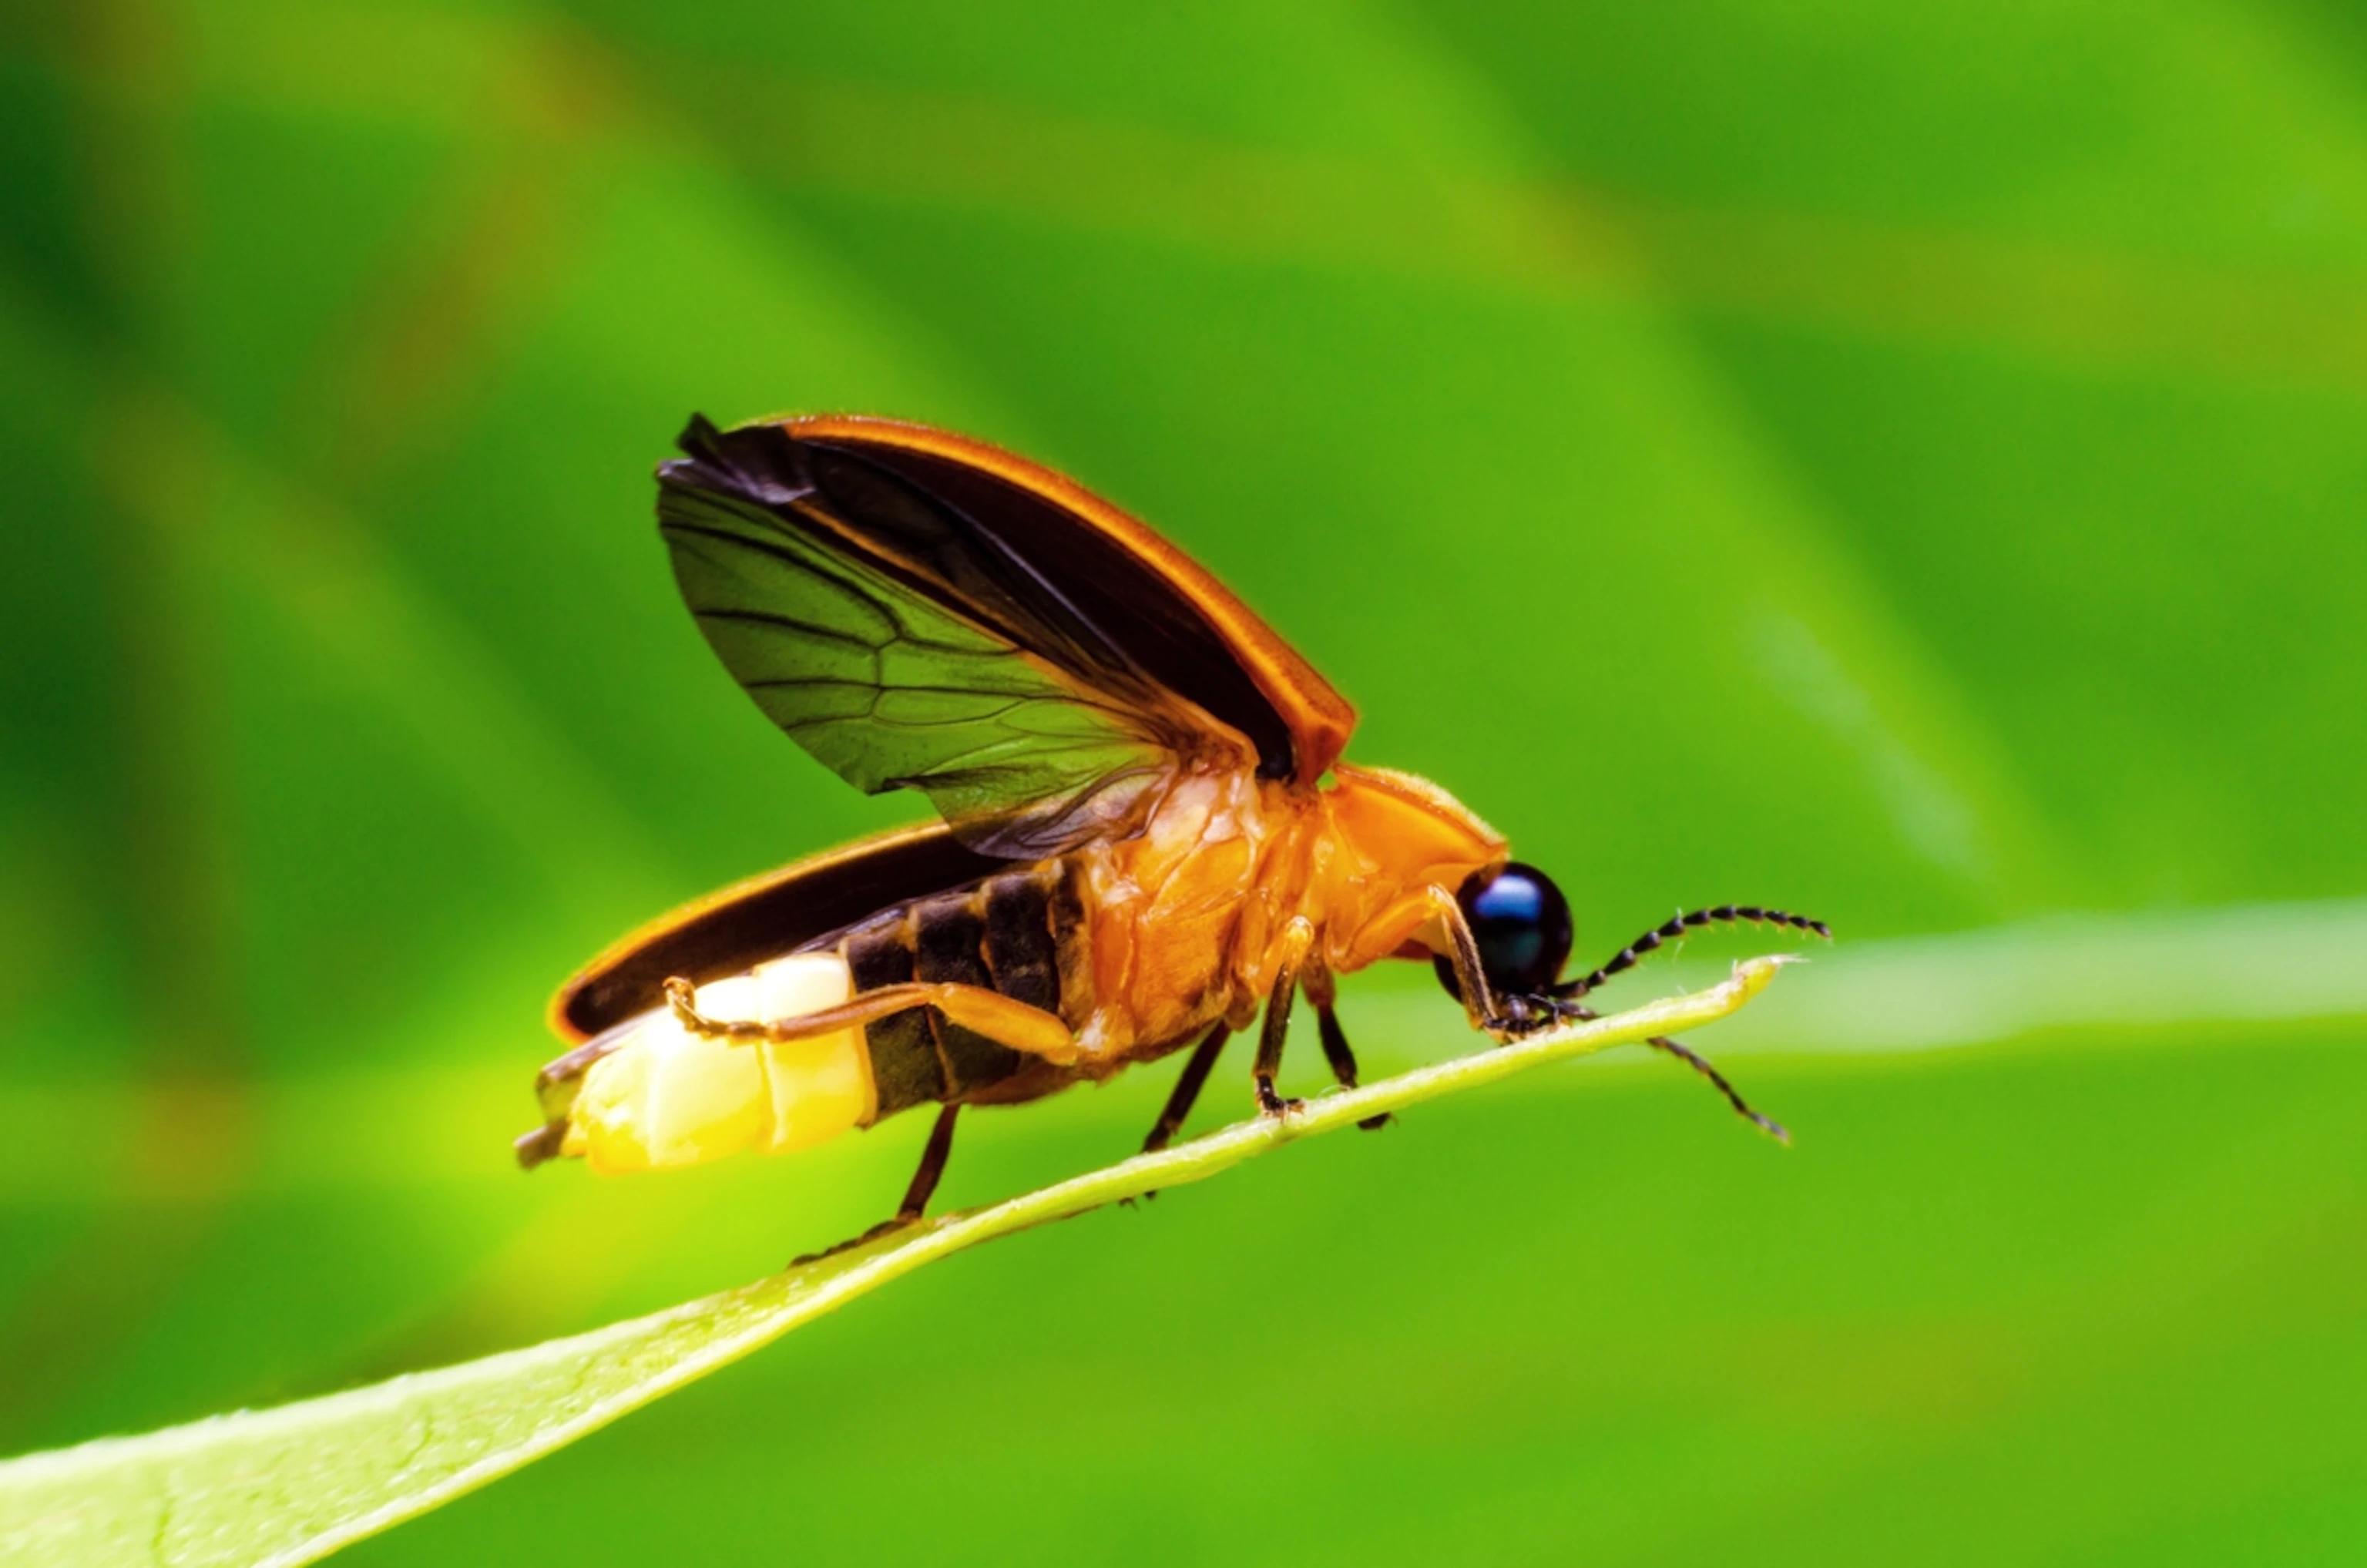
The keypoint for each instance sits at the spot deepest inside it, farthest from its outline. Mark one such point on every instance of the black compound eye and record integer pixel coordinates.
(1521, 924)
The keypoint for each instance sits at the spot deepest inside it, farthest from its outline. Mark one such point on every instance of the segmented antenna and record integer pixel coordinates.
(1677, 925)
(1685, 1054)
(1699, 1064)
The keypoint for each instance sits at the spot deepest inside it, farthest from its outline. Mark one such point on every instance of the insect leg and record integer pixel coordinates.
(933, 1167)
(1030, 1030)
(1670, 930)
(1185, 1093)
(1342, 1059)
(1270, 1034)
(916, 1196)
(1480, 1003)
(1187, 1089)
(1289, 957)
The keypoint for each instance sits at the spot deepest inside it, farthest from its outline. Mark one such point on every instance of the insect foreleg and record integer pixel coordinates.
(1480, 1003)
(1030, 1030)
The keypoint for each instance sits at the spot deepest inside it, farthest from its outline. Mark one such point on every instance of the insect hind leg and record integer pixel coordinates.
(1031, 1031)
(924, 1185)
(1186, 1092)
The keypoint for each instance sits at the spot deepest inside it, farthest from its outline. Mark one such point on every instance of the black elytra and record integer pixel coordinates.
(1521, 923)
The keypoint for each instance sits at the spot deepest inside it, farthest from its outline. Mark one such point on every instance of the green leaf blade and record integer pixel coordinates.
(290, 1484)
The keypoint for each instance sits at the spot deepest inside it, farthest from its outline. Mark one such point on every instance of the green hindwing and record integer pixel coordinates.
(891, 689)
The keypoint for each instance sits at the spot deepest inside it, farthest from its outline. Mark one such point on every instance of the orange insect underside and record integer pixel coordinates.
(1232, 876)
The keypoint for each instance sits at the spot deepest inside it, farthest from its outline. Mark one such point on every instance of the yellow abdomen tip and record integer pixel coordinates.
(666, 1097)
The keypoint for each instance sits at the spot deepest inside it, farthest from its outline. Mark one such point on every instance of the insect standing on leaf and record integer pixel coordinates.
(1148, 833)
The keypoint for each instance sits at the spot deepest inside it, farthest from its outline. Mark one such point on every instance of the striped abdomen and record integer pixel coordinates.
(1020, 933)
(649, 1093)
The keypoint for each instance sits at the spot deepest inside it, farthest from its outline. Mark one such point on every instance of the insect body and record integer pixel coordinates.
(1147, 834)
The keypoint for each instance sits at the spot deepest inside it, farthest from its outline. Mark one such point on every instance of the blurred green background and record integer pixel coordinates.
(1904, 463)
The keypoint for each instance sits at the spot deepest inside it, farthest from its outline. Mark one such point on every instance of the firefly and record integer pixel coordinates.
(1147, 833)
